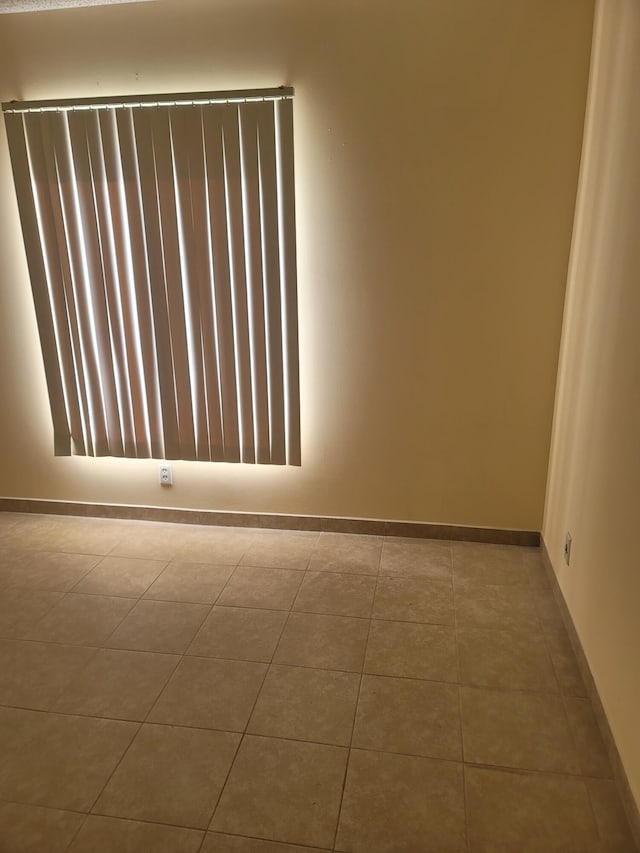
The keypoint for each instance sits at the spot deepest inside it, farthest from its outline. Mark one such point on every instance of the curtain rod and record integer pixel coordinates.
(186, 99)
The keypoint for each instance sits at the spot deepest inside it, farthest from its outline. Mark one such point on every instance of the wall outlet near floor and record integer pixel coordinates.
(166, 475)
(567, 548)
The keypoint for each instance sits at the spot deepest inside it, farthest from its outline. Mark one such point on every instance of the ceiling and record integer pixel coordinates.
(9, 6)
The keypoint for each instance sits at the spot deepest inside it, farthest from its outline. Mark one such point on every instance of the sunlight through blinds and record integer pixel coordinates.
(160, 240)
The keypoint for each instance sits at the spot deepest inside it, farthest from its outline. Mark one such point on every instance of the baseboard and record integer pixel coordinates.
(624, 788)
(273, 521)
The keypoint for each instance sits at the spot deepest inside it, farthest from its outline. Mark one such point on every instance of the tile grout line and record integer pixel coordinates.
(504, 767)
(562, 697)
(200, 655)
(104, 639)
(459, 686)
(580, 765)
(184, 654)
(244, 732)
(76, 833)
(88, 572)
(140, 724)
(117, 764)
(268, 841)
(357, 705)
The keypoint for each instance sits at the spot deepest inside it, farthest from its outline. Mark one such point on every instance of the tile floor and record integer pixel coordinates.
(175, 689)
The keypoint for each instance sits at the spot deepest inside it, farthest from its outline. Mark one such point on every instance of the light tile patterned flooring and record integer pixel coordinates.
(174, 689)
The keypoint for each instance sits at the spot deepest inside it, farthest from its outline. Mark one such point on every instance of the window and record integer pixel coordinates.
(160, 239)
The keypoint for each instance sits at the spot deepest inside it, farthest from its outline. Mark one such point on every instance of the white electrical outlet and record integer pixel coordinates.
(567, 548)
(166, 475)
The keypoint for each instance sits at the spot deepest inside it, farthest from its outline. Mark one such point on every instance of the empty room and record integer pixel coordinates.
(319, 469)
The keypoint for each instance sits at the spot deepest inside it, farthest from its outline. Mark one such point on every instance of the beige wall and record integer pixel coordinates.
(437, 151)
(594, 474)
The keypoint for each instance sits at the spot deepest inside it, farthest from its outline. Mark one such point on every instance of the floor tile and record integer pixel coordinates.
(164, 733)
(485, 606)
(412, 650)
(200, 583)
(509, 811)
(548, 611)
(283, 790)
(613, 827)
(416, 558)
(347, 554)
(34, 829)
(218, 546)
(535, 568)
(28, 525)
(239, 634)
(565, 665)
(114, 835)
(58, 760)
(118, 684)
(22, 609)
(17, 528)
(594, 760)
(306, 704)
(51, 570)
(408, 716)
(82, 619)
(398, 803)
(217, 842)
(489, 564)
(77, 535)
(506, 659)
(9, 520)
(170, 775)
(324, 642)
(151, 540)
(32, 675)
(123, 576)
(341, 595)
(281, 550)
(517, 729)
(210, 694)
(271, 589)
(11, 563)
(159, 626)
(414, 600)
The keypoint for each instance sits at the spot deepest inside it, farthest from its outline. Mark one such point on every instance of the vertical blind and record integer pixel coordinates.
(160, 240)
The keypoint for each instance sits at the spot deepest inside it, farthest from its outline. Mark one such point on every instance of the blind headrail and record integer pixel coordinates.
(187, 99)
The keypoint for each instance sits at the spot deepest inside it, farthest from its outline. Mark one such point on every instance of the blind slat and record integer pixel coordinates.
(47, 196)
(155, 259)
(271, 272)
(249, 117)
(188, 156)
(135, 426)
(174, 281)
(121, 428)
(90, 185)
(92, 302)
(238, 278)
(215, 192)
(138, 308)
(37, 271)
(286, 195)
(74, 237)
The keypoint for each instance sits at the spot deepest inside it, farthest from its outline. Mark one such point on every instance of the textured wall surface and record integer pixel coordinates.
(594, 474)
(437, 154)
